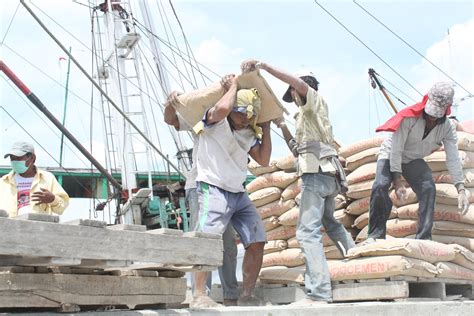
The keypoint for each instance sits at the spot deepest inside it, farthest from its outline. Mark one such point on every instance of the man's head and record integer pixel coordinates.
(246, 109)
(440, 97)
(305, 75)
(22, 157)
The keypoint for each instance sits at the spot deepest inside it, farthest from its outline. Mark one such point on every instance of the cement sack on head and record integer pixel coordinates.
(453, 229)
(352, 149)
(360, 190)
(463, 241)
(292, 190)
(448, 194)
(258, 170)
(427, 250)
(287, 163)
(274, 245)
(437, 160)
(282, 275)
(281, 232)
(445, 177)
(340, 202)
(270, 223)
(363, 220)
(442, 212)
(290, 217)
(364, 157)
(410, 198)
(291, 257)
(379, 267)
(345, 219)
(192, 105)
(265, 196)
(275, 208)
(359, 206)
(279, 179)
(463, 257)
(363, 173)
(449, 270)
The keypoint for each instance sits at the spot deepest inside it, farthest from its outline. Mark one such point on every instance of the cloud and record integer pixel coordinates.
(218, 56)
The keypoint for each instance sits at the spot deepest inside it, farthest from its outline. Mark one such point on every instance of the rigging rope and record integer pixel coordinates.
(10, 24)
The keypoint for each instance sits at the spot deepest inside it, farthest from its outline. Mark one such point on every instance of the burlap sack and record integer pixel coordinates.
(427, 250)
(363, 173)
(445, 177)
(265, 196)
(442, 212)
(453, 229)
(292, 190)
(437, 160)
(340, 202)
(281, 232)
(463, 241)
(463, 257)
(448, 194)
(359, 206)
(282, 275)
(449, 270)
(279, 179)
(275, 208)
(349, 150)
(379, 267)
(291, 257)
(290, 217)
(345, 219)
(192, 105)
(286, 163)
(355, 161)
(360, 190)
(258, 170)
(274, 245)
(409, 199)
(363, 220)
(270, 222)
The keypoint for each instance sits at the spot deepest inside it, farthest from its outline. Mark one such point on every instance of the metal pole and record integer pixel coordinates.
(373, 76)
(135, 127)
(65, 107)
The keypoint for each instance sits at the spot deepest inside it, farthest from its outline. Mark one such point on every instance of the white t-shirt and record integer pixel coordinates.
(23, 186)
(222, 156)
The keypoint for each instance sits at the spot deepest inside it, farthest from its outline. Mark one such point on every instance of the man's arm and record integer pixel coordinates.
(261, 152)
(224, 106)
(56, 198)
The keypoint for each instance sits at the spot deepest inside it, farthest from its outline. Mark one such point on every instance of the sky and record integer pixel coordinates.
(291, 35)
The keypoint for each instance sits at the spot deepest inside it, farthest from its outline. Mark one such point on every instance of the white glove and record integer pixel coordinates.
(463, 202)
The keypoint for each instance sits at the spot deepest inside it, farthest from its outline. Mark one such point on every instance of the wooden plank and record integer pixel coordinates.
(88, 290)
(87, 222)
(16, 269)
(137, 228)
(202, 235)
(58, 240)
(104, 264)
(39, 261)
(165, 231)
(38, 217)
(370, 291)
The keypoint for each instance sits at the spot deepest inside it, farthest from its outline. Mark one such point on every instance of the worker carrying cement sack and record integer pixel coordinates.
(322, 178)
(418, 130)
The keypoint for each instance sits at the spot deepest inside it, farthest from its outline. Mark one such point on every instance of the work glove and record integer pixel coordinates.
(463, 202)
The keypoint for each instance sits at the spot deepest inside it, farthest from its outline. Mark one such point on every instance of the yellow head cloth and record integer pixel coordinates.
(250, 100)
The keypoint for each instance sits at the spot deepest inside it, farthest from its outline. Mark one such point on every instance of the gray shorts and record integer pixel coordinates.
(218, 208)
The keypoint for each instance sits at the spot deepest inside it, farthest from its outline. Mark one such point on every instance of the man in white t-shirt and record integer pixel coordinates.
(28, 189)
(229, 136)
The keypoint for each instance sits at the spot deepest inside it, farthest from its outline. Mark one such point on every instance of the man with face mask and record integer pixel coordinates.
(27, 189)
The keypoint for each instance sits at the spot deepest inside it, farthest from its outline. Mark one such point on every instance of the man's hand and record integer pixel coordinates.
(400, 190)
(249, 65)
(227, 81)
(279, 122)
(43, 196)
(463, 202)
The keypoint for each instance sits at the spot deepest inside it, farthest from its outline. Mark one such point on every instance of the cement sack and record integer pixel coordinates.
(468, 126)
(463, 257)
(289, 257)
(364, 157)
(449, 270)
(332, 253)
(298, 198)
(437, 160)
(282, 275)
(363, 220)
(360, 190)
(258, 170)
(293, 243)
(281, 232)
(395, 228)
(279, 179)
(448, 194)
(349, 150)
(287, 163)
(192, 105)
(345, 219)
(465, 141)
(427, 250)
(270, 222)
(275, 245)
(410, 198)
(463, 241)
(445, 177)
(340, 202)
(363, 173)
(453, 229)
(359, 206)
(442, 212)
(379, 267)
(265, 196)
(290, 217)
(292, 190)
(275, 208)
